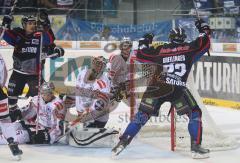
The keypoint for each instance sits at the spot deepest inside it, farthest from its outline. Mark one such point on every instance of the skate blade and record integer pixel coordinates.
(199, 156)
(117, 151)
(17, 158)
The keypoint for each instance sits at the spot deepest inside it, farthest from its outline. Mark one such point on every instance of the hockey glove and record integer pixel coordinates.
(202, 26)
(15, 114)
(43, 18)
(59, 50)
(145, 40)
(7, 20)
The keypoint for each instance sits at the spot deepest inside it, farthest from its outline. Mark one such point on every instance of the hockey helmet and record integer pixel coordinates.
(47, 88)
(177, 35)
(27, 18)
(125, 43)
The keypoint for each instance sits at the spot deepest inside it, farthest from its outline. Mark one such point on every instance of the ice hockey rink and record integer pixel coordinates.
(153, 150)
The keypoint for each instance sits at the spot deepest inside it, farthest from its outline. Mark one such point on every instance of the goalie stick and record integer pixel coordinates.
(82, 119)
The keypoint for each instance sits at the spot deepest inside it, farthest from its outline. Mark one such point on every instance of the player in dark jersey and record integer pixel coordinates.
(27, 45)
(177, 57)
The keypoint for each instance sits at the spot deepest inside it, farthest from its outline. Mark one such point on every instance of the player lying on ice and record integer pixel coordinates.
(177, 57)
(51, 112)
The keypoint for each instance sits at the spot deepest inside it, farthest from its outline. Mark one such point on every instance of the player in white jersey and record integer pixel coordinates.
(93, 98)
(94, 79)
(4, 113)
(119, 70)
(118, 67)
(51, 112)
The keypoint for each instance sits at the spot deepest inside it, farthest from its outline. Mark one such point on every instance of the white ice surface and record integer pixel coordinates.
(138, 151)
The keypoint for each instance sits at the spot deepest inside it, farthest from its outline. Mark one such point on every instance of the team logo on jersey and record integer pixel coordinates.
(35, 41)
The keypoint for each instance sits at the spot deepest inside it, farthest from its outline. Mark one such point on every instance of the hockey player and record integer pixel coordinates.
(51, 112)
(96, 80)
(93, 101)
(117, 63)
(27, 44)
(177, 57)
(4, 111)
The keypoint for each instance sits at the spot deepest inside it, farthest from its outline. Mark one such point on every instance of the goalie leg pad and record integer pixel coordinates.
(93, 137)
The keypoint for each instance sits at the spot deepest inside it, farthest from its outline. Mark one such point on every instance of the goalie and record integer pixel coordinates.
(96, 103)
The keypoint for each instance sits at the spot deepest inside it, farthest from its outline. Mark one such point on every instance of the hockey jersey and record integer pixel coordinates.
(85, 104)
(117, 69)
(176, 59)
(50, 113)
(27, 48)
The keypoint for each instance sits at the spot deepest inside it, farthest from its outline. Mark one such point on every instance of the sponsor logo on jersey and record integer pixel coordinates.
(177, 49)
(29, 50)
(35, 41)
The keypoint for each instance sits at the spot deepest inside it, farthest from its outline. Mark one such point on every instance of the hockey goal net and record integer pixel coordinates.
(176, 127)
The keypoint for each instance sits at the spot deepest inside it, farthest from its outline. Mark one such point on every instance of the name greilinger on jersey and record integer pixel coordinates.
(173, 59)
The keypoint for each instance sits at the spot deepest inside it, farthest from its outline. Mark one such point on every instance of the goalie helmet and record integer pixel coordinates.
(98, 66)
(27, 18)
(125, 43)
(177, 35)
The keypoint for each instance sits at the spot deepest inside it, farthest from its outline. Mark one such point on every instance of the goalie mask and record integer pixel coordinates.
(98, 66)
(177, 35)
(125, 47)
(47, 91)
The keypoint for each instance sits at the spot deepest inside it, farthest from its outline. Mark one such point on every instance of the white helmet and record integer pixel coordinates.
(126, 41)
(47, 88)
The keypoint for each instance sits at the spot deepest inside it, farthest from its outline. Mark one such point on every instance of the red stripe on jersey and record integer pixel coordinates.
(112, 73)
(103, 96)
(101, 83)
(111, 58)
(58, 105)
(3, 108)
(50, 37)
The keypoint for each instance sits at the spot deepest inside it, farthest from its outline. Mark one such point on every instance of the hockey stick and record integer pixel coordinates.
(39, 70)
(82, 119)
(10, 14)
(198, 16)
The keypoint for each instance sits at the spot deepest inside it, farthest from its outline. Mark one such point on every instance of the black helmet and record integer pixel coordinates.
(27, 18)
(177, 35)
